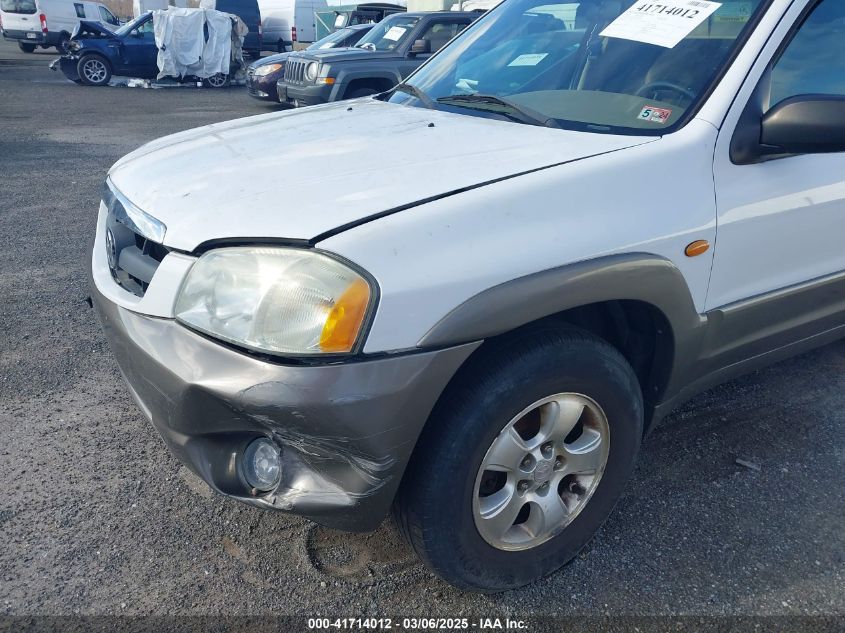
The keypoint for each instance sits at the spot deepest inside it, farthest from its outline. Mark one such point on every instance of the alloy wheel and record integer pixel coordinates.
(540, 471)
(94, 70)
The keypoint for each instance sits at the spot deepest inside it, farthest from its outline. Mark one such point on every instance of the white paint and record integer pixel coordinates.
(781, 222)
(333, 167)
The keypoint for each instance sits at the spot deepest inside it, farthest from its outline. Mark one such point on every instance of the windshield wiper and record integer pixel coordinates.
(500, 105)
(416, 92)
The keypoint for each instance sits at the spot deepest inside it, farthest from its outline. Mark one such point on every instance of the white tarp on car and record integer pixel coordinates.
(198, 42)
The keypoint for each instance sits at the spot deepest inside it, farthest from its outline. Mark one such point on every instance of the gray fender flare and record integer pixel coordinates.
(643, 277)
(346, 78)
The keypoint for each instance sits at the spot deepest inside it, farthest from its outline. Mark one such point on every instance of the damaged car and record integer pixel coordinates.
(469, 298)
(95, 53)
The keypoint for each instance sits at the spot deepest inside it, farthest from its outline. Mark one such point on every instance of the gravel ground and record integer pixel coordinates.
(96, 517)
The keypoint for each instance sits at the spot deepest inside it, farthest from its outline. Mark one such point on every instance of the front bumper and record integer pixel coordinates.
(263, 87)
(304, 95)
(68, 65)
(346, 430)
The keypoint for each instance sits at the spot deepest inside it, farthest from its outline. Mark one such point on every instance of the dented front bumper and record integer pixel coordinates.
(346, 430)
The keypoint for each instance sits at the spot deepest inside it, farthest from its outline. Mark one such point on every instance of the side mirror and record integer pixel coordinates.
(421, 47)
(805, 124)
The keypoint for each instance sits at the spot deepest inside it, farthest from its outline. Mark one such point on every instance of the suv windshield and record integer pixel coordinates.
(600, 65)
(126, 28)
(26, 7)
(389, 33)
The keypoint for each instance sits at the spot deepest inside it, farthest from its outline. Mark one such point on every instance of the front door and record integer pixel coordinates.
(779, 266)
(139, 52)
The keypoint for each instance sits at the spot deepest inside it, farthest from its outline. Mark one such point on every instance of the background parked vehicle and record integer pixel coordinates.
(385, 56)
(338, 17)
(248, 11)
(288, 24)
(95, 54)
(262, 76)
(48, 23)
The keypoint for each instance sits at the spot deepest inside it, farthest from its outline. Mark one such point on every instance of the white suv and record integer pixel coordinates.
(469, 298)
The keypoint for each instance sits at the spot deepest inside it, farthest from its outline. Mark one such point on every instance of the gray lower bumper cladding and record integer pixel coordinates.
(346, 431)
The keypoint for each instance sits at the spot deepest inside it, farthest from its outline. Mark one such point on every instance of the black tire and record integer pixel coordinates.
(26, 48)
(61, 45)
(94, 70)
(361, 92)
(435, 505)
(216, 81)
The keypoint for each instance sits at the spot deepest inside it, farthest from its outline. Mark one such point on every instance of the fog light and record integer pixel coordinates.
(262, 466)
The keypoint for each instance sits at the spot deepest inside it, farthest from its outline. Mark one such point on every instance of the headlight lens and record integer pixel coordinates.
(267, 69)
(278, 300)
(73, 46)
(311, 71)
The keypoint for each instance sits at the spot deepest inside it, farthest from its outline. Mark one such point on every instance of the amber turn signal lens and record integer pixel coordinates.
(345, 320)
(698, 247)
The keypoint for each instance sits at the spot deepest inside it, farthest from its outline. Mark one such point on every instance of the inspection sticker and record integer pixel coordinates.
(529, 59)
(655, 115)
(663, 23)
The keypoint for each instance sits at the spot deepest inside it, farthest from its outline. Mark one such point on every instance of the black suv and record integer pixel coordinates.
(384, 57)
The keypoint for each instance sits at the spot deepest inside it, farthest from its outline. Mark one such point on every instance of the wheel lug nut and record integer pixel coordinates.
(523, 486)
(558, 462)
(526, 463)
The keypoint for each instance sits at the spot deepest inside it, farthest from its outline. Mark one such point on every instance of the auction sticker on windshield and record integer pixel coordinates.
(395, 33)
(530, 59)
(660, 23)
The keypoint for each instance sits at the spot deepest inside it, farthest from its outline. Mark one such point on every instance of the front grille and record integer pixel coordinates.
(132, 257)
(295, 71)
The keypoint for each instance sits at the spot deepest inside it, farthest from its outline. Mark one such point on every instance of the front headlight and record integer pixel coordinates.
(278, 300)
(266, 69)
(73, 46)
(311, 71)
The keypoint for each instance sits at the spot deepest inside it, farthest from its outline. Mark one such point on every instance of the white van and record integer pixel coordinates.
(48, 23)
(288, 23)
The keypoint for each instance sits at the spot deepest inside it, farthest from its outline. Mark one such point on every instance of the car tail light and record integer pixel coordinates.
(293, 33)
(43, 19)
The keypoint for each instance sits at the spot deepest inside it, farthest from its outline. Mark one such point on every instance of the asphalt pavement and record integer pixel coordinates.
(96, 517)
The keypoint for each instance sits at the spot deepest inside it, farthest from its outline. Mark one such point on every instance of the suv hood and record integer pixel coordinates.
(344, 54)
(300, 173)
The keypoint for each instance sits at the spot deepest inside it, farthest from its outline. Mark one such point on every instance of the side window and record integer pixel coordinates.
(80, 9)
(145, 29)
(814, 61)
(438, 33)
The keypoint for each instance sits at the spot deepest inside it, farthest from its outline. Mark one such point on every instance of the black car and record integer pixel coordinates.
(261, 76)
(394, 48)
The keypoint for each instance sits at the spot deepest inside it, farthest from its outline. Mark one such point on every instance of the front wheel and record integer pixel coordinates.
(26, 48)
(216, 81)
(522, 460)
(93, 70)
